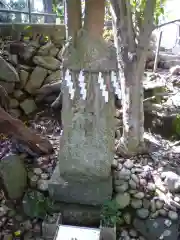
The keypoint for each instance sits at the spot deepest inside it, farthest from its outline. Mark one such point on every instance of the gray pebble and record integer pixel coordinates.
(128, 164)
(123, 200)
(153, 206)
(168, 222)
(136, 203)
(135, 178)
(159, 204)
(142, 213)
(139, 195)
(37, 171)
(143, 182)
(124, 233)
(119, 166)
(119, 182)
(42, 185)
(133, 191)
(44, 176)
(146, 203)
(154, 214)
(132, 184)
(122, 188)
(151, 186)
(173, 215)
(133, 233)
(124, 174)
(162, 212)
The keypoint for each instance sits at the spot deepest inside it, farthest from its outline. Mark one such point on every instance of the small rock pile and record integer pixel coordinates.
(148, 198)
(24, 73)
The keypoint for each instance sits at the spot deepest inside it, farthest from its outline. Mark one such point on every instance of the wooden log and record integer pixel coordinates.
(15, 127)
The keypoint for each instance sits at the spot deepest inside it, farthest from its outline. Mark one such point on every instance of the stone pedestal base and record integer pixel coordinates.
(94, 192)
(78, 214)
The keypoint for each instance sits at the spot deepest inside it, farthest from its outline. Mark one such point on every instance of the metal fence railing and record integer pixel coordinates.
(28, 12)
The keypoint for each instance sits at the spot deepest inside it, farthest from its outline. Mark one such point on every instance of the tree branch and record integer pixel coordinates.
(117, 9)
(137, 24)
(122, 17)
(147, 27)
(131, 31)
(165, 24)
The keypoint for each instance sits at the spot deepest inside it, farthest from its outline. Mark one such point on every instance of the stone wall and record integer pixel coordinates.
(27, 64)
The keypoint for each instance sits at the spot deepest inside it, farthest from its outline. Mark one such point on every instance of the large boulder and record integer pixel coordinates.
(47, 62)
(36, 79)
(28, 106)
(48, 50)
(14, 176)
(7, 72)
(54, 77)
(29, 52)
(8, 86)
(23, 77)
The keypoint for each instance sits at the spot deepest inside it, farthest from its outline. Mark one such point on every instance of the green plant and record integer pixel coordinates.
(176, 125)
(110, 214)
(58, 8)
(108, 34)
(36, 205)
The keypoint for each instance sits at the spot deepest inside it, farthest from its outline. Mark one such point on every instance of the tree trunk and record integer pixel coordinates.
(74, 23)
(131, 80)
(94, 17)
(131, 70)
(131, 56)
(132, 141)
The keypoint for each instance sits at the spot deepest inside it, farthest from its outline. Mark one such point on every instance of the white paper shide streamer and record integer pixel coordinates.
(102, 86)
(69, 84)
(82, 86)
(115, 84)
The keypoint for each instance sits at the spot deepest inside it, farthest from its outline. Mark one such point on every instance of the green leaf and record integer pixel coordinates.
(36, 205)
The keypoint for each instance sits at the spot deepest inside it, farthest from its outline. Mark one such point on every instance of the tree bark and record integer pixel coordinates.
(94, 17)
(132, 141)
(74, 23)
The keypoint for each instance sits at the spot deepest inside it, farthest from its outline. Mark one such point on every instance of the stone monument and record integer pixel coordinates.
(87, 144)
(83, 175)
